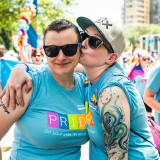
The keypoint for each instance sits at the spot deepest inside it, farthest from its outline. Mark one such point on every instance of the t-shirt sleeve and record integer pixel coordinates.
(153, 82)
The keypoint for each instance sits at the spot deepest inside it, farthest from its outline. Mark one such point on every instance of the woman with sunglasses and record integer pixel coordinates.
(35, 55)
(119, 127)
(116, 117)
(152, 91)
(140, 72)
(51, 125)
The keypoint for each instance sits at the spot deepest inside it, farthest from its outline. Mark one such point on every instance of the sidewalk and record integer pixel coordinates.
(8, 139)
(6, 144)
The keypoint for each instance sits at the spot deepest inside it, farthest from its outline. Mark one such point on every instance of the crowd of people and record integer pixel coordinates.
(57, 109)
(25, 54)
(138, 64)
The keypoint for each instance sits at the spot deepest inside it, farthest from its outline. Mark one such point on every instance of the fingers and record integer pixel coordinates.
(3, 93)
(13, 96)
(19, 97)
(28, 86)
(7, 98)
(12, 99)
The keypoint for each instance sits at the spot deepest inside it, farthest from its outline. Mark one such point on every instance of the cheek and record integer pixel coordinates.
(75, 59)
(48, 60)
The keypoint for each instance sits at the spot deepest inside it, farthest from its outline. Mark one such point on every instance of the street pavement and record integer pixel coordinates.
(8, 139)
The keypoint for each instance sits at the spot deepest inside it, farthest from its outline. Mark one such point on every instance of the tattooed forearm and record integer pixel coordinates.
(116, 135)
(4, 107)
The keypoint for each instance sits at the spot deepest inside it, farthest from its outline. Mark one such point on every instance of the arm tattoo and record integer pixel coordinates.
(115, 130)
(4, 107)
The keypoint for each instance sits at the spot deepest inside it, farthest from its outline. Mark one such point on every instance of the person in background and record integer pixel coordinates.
(116, 117)
(51, 125)
(139, 74)
(11, 55)
(37, 56)
(152, 91)
(34, 56)
(125, 63)
(2, 50)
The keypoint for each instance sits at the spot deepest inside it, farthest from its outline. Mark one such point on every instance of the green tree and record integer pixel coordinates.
(10, 13)
(133, 34)
(9, 16)
(51, 11)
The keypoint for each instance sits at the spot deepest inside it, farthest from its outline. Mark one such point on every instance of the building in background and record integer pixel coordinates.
(136, 12)
(150, 43)
(155, 12)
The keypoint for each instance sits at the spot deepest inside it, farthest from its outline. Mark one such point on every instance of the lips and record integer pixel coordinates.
(62, 64)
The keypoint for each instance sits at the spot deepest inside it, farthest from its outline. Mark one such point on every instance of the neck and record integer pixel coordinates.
(66, 81)
(94, 74)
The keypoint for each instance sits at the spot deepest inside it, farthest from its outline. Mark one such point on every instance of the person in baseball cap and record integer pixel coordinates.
(111, 32)
(116, 117)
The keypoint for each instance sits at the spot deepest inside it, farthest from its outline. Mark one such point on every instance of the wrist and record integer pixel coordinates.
(22, 66)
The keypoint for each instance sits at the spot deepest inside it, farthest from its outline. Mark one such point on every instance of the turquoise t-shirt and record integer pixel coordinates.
(139, 149)
(153, 83)
(53, 126)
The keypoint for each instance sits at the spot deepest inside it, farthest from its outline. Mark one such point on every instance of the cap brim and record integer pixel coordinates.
(84, 23)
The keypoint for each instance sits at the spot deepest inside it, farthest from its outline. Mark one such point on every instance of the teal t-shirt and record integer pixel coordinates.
(139, 149)
(53, 126)
(153, 83)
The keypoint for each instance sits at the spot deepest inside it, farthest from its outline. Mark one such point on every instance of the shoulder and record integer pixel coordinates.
(38, 71)
(114, 98)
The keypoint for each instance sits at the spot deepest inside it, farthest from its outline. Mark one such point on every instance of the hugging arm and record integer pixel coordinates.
(115, 117)
(13, 90)
(8, 115)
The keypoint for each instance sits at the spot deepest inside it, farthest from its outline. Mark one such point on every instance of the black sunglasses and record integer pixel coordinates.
(68, 49)
(145, 59)
(94, 42)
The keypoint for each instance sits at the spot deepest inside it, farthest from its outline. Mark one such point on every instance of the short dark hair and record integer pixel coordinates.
(34, 52)
(62, 24)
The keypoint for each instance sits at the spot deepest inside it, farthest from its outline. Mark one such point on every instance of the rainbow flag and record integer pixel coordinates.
(32, 31)
(136, 71)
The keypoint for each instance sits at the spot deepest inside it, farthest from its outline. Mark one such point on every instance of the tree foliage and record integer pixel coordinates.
(51, 11)
(48, 11)
(133, 34)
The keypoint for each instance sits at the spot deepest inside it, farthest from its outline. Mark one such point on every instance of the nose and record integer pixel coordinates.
(84, 43)
(61, 55)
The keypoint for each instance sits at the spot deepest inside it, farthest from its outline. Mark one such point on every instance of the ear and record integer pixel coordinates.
(112, 58)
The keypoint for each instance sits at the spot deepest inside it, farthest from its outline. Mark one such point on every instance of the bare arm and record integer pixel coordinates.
(13, 89)
(22, 55)
(9, 116)
(150, 100)
(115, 116)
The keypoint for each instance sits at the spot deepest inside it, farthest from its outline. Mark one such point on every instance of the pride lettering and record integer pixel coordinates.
(66, 121)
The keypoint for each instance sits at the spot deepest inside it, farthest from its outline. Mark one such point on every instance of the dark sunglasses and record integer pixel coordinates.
(94, 42)
(37, 55)
(145, 59)
(68, 50)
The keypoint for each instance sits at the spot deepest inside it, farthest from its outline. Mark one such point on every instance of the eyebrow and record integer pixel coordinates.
(94, 35)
